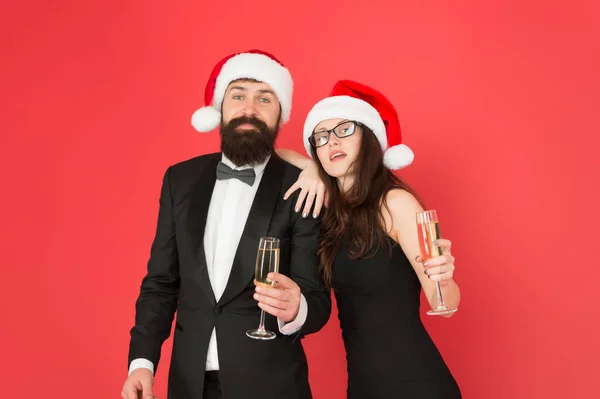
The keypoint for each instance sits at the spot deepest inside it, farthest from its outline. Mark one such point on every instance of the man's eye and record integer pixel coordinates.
(264, 100)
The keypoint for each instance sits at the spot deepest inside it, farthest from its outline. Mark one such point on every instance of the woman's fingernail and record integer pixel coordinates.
(424, 264)
(315, 215)
(297, 210)
(304, 215)
(436, 242)
(285, 197)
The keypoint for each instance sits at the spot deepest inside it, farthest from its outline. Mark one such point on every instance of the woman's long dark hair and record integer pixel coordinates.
(357, 213)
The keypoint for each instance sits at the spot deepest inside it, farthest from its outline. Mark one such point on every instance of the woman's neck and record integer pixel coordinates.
(345, 183)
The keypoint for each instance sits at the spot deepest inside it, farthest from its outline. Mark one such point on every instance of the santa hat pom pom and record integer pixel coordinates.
(398, 156)
(206, 119)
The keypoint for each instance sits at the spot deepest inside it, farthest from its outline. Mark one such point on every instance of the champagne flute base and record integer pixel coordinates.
(441, 311)
(260, 334)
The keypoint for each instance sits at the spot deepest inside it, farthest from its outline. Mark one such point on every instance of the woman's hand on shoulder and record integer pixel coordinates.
(312, 191)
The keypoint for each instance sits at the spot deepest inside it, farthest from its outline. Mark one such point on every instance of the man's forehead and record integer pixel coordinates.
(250, 84)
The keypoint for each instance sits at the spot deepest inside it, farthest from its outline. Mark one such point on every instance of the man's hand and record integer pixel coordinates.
(282, 300)
(139, 385)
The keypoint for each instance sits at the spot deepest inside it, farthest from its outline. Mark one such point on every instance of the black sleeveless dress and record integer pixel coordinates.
(389, 353)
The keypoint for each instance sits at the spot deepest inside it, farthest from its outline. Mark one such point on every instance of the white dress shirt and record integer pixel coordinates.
(227, 214)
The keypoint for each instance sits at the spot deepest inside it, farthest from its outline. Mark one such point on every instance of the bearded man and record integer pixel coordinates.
(213, 211)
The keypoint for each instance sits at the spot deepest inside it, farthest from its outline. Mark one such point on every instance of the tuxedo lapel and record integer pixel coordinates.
(257, 225)
(197, 214)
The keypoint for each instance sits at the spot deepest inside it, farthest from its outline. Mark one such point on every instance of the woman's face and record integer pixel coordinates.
(339, 154)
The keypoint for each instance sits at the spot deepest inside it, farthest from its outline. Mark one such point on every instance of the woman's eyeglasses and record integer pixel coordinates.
(342, 130)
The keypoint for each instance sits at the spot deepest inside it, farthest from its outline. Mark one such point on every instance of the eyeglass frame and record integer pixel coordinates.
(332, 130)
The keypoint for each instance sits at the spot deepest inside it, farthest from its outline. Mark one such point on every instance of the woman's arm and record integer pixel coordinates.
(293, 157)
(401, 223)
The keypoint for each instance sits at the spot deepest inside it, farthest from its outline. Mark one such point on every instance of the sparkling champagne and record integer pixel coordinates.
(428, 233)
(267, 261)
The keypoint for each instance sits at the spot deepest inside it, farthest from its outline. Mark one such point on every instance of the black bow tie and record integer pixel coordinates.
(224, 172)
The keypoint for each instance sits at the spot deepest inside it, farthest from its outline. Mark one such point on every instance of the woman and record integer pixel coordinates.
(369, 249)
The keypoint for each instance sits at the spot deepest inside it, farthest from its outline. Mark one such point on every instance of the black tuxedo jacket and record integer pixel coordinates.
(177, 282)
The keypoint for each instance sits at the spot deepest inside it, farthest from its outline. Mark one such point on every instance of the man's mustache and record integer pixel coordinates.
(257, 123)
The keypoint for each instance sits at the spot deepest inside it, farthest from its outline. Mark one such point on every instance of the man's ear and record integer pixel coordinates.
(280, 116)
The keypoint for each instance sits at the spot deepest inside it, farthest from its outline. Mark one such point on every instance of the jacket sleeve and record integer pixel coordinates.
(157, 302)
(304, 271)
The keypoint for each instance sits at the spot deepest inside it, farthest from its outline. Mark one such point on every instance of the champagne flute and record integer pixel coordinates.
(267, 261)
(428, 228)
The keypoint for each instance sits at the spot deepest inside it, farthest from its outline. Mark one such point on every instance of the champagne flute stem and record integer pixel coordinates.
(440, 300)
(261, 326)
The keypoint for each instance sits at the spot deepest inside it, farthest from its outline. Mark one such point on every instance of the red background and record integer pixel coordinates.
(497, 99)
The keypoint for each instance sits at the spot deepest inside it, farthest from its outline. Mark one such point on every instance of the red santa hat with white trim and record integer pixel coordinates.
(253, 64)
(357, 102)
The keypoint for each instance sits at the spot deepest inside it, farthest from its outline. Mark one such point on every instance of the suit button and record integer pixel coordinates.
(218, 310)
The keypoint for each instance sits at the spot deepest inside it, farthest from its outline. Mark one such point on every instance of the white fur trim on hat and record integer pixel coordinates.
(206, 119)
(344, 107)
(398, 156)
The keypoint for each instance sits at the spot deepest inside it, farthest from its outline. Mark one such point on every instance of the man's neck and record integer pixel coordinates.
(234, 165)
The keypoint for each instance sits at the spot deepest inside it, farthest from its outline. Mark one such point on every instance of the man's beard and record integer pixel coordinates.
(248, 147)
